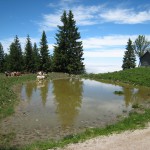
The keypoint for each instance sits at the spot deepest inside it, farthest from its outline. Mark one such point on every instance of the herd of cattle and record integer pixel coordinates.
(40, 75)
(12, 74)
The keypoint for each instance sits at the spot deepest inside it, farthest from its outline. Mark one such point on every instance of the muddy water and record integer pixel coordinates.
(56, 108)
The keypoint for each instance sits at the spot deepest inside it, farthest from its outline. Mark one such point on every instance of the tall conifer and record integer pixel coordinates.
(60, 49)
(75, 48)
(68, 50)
(44, 53)
(129, 57)
(36, 58)
(15, 57)
(28, 57)
(1, 58)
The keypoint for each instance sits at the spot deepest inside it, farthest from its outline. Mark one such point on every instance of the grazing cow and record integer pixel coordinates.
(40, 73)
(7, 73)
(17, 73)
(12, 74)
(41, 77)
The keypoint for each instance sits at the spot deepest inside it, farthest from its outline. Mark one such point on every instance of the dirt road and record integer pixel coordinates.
(129, 140)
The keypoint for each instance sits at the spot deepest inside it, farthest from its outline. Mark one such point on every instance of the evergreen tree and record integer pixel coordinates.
(36, 58)
(28, 56)
(7, 62)
(75, 48)
(68, 50)
(129, 57)
(16, 58)
(60, 49)
(44, 53)
(1, 58)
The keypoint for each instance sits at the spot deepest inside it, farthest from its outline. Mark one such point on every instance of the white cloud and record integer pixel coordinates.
(50, 22)
(125, 16)
(84, 15)
(102, 68)
(104, 53)
(91, 15)
(113, 40)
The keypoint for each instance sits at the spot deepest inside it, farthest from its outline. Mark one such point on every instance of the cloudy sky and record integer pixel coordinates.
(105, 26)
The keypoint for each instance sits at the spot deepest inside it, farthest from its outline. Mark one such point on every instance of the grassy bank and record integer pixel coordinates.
(137, 76)
(137, 119)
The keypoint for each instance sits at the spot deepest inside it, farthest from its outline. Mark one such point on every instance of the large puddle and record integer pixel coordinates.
(56, 108)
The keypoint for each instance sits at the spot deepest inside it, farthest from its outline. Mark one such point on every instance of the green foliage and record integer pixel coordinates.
(129, 57)
(68, 50)
(141, 45)
(36, 58)
(1, 58)
(28, 56)
(6, 62)
(15, 56)
(44, 53)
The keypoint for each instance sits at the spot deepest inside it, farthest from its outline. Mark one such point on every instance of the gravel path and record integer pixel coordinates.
(129, 140)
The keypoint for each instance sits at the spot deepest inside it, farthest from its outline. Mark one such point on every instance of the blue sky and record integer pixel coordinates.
(105, 26)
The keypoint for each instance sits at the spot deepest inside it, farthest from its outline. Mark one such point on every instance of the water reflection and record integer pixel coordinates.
(141, 95)
(29, 87)
(43, 85)
(128, 95)
(68, 99)
(135, 95)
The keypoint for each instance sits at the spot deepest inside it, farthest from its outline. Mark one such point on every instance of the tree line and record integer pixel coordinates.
(67, 56)
(139, 47)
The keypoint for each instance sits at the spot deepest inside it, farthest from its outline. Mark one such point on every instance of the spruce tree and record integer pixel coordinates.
(75, 48)
(129, 57)
(44, 53)
(16, 58)
(36, 58)
(68, 50)
(60, 49)
(1, 58)
(7, 62)
(28, 56)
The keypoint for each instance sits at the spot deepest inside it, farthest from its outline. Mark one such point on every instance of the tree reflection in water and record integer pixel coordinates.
(68, 98)
(134, 95)
(44, 91)
(30, 86)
